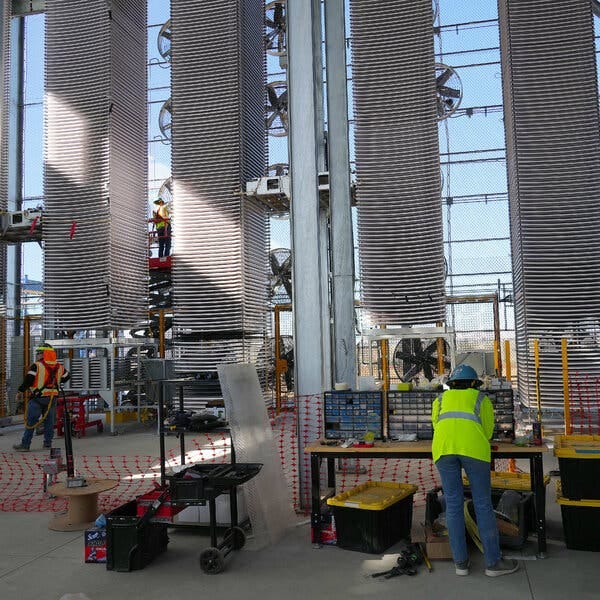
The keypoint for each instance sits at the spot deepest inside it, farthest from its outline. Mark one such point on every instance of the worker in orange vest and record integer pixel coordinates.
(43, 380)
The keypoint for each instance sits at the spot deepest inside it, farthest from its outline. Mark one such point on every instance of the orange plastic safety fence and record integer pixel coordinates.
(296, 426)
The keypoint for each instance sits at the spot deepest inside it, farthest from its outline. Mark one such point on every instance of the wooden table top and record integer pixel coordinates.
(423, 446)
(94, 486)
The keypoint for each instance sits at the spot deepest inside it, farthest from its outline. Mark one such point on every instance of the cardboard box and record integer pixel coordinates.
(95, 545)
(437, 546)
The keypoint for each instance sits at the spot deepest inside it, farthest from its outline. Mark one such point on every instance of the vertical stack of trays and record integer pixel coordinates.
(347, 412)
(410, 412)
(579, 490)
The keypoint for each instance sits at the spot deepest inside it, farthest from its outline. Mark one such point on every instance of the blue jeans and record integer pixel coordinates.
(478, 471)
(34, 414)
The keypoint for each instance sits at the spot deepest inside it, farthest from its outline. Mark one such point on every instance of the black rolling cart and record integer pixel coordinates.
(198, 485)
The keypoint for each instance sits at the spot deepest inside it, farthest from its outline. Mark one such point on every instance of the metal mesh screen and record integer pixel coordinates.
(95, 263)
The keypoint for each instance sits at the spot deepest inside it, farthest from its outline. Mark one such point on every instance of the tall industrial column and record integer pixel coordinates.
(95, 181)
(553, 152)
(221, 240)
(400, 233)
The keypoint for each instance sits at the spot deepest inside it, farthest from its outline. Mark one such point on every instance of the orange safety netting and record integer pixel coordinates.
(584, 406)
(22, 476)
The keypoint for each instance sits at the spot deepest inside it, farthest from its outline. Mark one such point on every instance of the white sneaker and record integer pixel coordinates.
(462, 568)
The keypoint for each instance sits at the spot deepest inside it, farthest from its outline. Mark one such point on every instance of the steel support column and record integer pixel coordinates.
(342, 247)
(304, 140)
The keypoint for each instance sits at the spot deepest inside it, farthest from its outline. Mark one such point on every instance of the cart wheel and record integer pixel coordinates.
(212, 561)
(100, 427)
(238, 537)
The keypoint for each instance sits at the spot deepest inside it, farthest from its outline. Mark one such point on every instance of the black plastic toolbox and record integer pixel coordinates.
(132, 543)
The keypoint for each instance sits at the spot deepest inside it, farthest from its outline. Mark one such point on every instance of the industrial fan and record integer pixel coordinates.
(280, 260)
(164, 119)
(266, 360)
(277, 108)
(164, 41)
(413, 357)
(275, 37)
(435, 9)
(449, 90)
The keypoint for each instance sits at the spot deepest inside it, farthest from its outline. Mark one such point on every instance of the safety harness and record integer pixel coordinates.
(50, 383)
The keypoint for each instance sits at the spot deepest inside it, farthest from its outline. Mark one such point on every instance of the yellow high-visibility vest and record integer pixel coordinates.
(464, 426)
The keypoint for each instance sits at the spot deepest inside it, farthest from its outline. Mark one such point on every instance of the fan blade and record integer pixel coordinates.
(271, 120)
(448, 92)
(270, 23)
(287, 284)
(272, 95)
(166, 34)
(278, 14)
(443, 77)
(274, 262)
(283, 99)
(286, 265)
(428, 372)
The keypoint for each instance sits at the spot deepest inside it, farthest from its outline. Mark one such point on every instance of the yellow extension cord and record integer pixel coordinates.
(42, 419)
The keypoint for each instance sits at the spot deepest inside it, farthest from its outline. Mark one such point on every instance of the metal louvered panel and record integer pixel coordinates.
(397, 162)
(95, 174)
(553, 144)
(218, 135)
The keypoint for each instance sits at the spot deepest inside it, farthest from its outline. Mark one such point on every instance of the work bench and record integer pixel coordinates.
(422, 450)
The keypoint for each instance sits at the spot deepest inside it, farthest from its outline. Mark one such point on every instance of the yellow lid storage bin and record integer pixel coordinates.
(373, 516)
(579, 465)
(577, 446)
(373, 495)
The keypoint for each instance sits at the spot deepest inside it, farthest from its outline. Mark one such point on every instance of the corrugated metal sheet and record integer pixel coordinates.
(218, 135)
(397, 162)
(553, 147)
(95, 172)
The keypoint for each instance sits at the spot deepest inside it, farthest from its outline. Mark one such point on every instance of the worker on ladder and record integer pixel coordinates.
(162, 220)
(43, 380)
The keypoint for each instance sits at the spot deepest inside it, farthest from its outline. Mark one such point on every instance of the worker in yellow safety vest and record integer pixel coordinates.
(162, 220)
(463, 425)
(43, 381)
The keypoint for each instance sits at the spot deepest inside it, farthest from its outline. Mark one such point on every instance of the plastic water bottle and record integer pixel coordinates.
(373, 427)
(100, 522)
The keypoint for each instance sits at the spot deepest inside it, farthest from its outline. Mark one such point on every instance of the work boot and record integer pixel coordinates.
(20, 448)
(48, 445)
(502, 567)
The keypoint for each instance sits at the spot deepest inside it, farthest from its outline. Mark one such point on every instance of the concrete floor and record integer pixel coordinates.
(39, 564)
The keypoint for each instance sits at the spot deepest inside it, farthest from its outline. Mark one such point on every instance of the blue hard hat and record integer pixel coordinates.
(465, 373)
